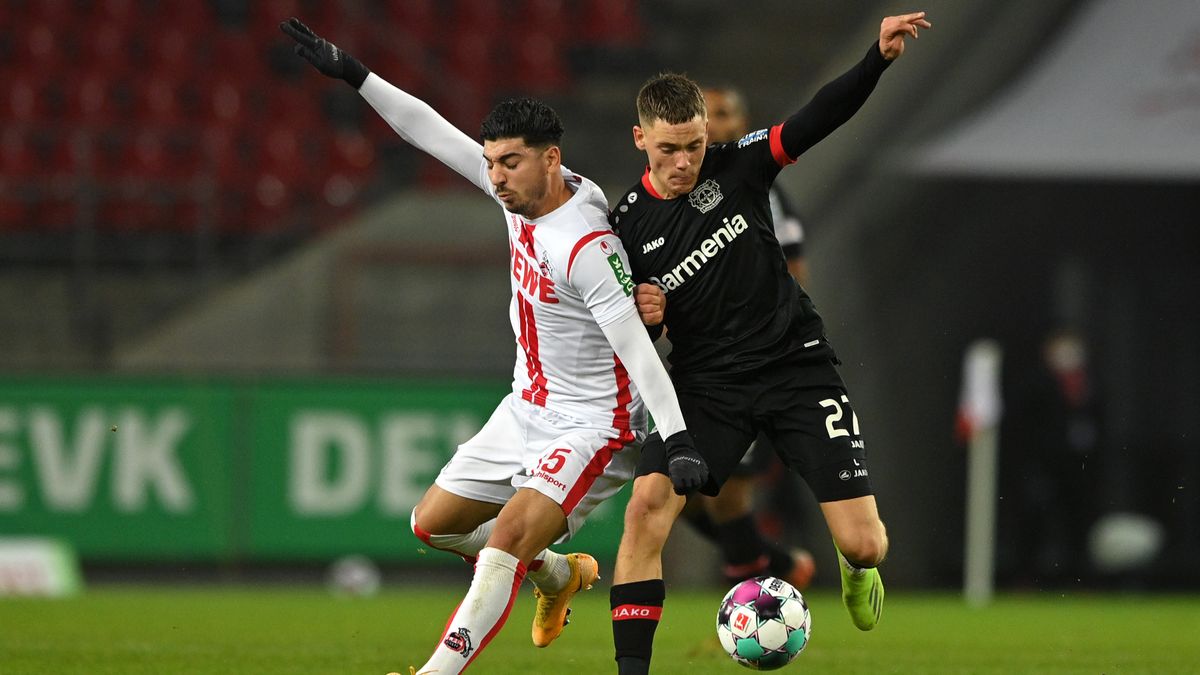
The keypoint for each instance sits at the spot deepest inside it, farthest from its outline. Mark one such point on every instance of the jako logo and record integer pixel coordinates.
(708, 248)
(651, 245)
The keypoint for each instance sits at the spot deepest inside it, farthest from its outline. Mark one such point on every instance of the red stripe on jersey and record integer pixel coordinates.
(536, 392)
(648, 185)
(583, 241)
(526, 235)
(777, 150)
(644, 612)
(624, 396)
(602, 457)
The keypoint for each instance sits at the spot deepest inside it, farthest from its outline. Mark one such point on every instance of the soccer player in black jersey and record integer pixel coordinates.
(749, 351)
(730, 520)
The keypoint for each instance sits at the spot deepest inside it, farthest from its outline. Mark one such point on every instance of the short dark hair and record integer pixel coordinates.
(670, 97)
(526, 118)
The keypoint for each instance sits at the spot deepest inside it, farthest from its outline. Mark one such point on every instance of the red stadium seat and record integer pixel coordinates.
(417, 20)
(611, 23)
(540, 65)
(478, 16)
(24, 100)
(549, 17)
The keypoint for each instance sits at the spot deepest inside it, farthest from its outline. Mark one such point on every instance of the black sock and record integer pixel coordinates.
(781, 563)
(743, 548)
(636, 609)
(703, 524)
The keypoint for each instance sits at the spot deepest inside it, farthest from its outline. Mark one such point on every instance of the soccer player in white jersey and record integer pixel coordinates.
(567, 436)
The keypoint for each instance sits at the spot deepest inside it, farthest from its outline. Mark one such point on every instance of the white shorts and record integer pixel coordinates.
(526, 446)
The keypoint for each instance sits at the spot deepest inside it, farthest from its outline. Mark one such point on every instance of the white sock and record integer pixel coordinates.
(467, 545)
(553, 574)
(483, 611)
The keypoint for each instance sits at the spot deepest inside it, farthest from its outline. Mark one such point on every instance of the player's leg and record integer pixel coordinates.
(453, 523)
(862, 544)
(638, 590)
(746, 552)
(719, 422)
(817, 434)
(526, 525)
(579, 470)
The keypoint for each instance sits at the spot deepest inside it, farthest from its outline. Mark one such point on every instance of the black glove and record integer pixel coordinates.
(686, 468)
(324, 55)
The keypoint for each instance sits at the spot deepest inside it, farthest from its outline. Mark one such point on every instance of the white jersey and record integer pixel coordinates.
(572, 292)
(569, 279)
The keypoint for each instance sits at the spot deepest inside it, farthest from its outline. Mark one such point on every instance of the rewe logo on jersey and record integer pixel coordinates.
(708, 249)
(651, 245)
(531, 276)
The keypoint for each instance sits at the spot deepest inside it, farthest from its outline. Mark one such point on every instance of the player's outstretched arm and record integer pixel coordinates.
(839, 100)
(413, 119)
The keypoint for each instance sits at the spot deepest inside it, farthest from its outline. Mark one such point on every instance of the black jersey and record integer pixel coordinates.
(731, 304)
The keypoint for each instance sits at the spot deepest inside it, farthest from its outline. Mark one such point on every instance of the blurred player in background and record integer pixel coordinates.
(729, 519)
(748, 349)
(566, 437)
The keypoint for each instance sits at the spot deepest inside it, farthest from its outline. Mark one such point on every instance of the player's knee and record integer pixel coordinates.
(421, 533)
(648, 516)
(867, 547)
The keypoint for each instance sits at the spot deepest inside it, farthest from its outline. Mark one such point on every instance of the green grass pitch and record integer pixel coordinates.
(196, 630)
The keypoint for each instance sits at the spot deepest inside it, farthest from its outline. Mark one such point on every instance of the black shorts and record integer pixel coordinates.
(757, 459)
(801, 407)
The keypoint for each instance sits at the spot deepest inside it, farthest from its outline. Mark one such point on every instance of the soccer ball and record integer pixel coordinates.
(763, 623)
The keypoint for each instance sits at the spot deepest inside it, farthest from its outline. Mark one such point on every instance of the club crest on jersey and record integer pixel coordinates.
(544, 265)
(706, 196)
(752, 137)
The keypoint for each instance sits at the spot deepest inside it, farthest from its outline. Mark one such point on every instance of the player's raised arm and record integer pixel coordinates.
(837, 101)
(413, 119)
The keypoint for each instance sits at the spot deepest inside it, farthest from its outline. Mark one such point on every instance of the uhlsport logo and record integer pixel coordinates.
(709, 248)
(460, 641)
(705, 196)
(651, 245)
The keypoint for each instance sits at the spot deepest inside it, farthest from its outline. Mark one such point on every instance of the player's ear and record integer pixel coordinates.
(553, 157)
(639, 137)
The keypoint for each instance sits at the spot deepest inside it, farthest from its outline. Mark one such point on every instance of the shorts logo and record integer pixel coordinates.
(550, 479)
(460, 641)
(705, 196)
(846, 474)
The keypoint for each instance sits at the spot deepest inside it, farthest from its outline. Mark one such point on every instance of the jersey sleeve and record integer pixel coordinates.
(419, 124)
(636, 352)
(599, 270)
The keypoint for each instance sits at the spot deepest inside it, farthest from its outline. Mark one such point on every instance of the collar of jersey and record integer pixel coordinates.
(648, 186)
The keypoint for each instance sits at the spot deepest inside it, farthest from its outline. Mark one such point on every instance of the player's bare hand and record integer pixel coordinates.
(651, 303)
(893, 29)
